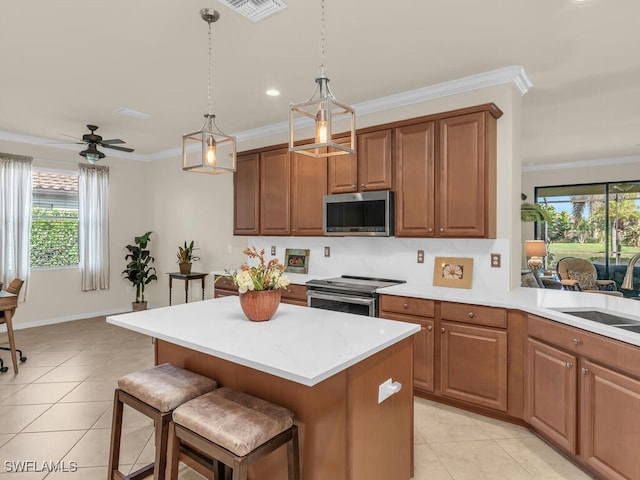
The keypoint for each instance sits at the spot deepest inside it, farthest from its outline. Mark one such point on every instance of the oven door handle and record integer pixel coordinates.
(341, 298)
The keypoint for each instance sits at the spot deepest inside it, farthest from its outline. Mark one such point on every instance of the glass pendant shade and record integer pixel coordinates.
(92, 154)
(326, 114)
(209, 150)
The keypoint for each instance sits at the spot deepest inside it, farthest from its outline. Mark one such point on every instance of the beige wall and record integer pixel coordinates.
(179, 206)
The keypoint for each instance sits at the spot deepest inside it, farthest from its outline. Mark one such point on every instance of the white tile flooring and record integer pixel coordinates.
(58, 410)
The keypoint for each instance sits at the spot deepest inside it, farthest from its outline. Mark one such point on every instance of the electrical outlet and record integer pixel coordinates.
(273, 249)
(495, 260)
(327, 251)
(420, 256)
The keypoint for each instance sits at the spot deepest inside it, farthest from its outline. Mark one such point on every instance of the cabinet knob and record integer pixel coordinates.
(362, 184)
(442, 330)
(441, 229)
(577, 341)
(353, 186)
(470, 314)
(569, 364)
(430, 229)
(405, 306)
(585, 371)
(430, 327)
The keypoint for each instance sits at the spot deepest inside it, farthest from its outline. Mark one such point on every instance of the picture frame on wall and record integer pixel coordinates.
(296, 260)
(452, 272)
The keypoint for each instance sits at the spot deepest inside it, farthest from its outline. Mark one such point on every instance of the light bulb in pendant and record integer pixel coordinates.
(211, 151)
(321, 125)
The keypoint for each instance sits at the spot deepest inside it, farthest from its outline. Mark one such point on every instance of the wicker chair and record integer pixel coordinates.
(580, 275)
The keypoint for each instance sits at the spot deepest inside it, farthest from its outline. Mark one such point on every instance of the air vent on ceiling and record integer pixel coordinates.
(255, 10)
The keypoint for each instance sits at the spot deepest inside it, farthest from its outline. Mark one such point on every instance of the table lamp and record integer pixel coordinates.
(535, 250)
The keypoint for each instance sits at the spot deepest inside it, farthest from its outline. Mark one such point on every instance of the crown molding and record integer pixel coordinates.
(514, 74)
(595, 162)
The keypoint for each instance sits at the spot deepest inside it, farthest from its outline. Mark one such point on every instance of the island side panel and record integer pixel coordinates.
(384, 431)
(320, 411)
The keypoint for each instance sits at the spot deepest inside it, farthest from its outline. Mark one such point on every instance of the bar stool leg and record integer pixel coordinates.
(293, 461)
(116, 434)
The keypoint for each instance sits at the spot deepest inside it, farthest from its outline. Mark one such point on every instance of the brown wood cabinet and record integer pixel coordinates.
(370, 169)
(246, 195)
(293, 294)
(275, 171)
(551, 401)
(308, 188)
(420, 312)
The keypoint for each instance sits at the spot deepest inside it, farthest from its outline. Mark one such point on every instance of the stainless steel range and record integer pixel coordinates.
(348, 293)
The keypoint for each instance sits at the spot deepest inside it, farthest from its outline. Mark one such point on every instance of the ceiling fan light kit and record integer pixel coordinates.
(324, 112)
(209, 150)
(92, 140)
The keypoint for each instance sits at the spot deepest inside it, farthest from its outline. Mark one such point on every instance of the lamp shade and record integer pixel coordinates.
(535, 248)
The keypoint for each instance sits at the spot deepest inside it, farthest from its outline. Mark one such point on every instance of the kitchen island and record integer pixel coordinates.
(324, 366)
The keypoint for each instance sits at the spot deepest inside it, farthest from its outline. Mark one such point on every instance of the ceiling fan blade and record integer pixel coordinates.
(122, 149)
(112, 141)
(71, 136)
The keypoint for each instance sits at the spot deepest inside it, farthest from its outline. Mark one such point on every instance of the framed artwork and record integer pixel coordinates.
(296, 260)
(452, 272)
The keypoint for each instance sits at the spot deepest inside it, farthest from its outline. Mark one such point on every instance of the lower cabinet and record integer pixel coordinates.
(293, 294)
(473, 364)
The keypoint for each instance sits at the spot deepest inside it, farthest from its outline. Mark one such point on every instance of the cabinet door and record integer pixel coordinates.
(463, 178)
(550, 401)
(610, 422)
(246, 196)
(374, 161)
(415, 181)
(274, 190)
(343, 172)
(473, 364)
(308, 188)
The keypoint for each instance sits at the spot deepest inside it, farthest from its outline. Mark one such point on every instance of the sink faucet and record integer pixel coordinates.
(627, 283)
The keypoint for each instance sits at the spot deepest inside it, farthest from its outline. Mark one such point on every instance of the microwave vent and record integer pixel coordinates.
(255, 10)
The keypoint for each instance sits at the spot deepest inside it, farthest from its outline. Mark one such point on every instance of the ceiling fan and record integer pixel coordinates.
(92, 154)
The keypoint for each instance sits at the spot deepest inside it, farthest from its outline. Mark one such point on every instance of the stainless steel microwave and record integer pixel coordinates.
(365, 214)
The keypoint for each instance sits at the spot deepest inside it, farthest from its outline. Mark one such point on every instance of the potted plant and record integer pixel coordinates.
(186, 257)
(259, 286)
(139, 270)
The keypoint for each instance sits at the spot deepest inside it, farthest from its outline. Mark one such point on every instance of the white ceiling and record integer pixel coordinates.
(68, 63)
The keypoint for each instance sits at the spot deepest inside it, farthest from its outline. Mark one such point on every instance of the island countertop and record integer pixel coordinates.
(301, 344)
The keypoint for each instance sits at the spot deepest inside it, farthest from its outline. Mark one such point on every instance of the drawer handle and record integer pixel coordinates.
(430, 328)
(585, 371)
(470, 314)
(569, 364)
(442, 330)
(577, 341)
(405, 306)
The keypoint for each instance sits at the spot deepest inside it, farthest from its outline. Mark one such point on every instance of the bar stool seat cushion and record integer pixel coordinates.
(234, 420)
(165, 386)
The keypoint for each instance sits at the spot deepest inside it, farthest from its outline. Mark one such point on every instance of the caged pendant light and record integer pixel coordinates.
(325, 111)
(214, 146)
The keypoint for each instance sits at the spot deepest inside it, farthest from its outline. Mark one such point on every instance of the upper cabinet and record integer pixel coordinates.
(372, 169)
(442, 168)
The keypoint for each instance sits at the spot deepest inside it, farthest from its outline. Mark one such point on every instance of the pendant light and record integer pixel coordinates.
(213, 144)
(324, 110)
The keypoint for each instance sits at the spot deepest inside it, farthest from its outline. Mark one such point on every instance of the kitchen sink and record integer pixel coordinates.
(606, 319)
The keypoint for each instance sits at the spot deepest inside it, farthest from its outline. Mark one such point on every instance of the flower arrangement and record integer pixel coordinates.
(264, 276)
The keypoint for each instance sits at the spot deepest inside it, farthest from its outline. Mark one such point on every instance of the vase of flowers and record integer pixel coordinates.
(259, 285)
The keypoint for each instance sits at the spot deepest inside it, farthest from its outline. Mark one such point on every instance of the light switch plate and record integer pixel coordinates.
(495, 260)
(273, 249)
(420, 256)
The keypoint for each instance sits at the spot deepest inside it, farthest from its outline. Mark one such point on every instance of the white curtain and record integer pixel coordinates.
(93, 216)
(15, 217)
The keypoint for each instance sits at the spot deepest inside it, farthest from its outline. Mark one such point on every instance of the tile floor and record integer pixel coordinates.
(58, 409)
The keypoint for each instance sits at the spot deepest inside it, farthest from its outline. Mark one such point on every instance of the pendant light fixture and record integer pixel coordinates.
(325, 111)
(213, 145)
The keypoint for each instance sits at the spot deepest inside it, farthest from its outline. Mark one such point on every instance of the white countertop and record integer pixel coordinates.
(304, 345)
(538, 301)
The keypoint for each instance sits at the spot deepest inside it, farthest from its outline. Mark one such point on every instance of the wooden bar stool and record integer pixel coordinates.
(226, 431)
(154, 392)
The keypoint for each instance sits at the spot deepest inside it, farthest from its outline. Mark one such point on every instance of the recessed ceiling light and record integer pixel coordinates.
(272, 92)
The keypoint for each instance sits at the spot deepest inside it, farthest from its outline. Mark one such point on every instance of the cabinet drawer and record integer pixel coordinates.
(619, 355)
(475, 314)
(223, 283)
(407, 305)
(295, 292)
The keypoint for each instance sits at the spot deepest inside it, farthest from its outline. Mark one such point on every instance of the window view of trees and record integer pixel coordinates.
(598, 222)
(54, 220)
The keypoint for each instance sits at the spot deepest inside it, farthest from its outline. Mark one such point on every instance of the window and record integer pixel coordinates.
(599, 222)
(54, 222)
